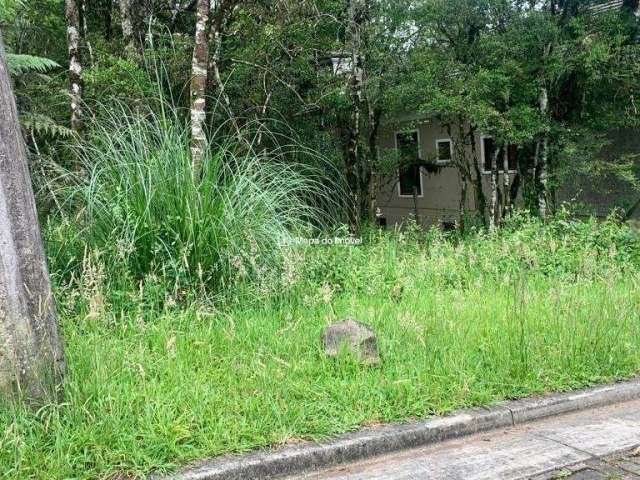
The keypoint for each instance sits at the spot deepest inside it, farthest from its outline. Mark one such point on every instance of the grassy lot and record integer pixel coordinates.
(461, 322)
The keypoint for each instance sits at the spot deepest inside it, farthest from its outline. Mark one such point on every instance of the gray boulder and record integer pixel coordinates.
(353, 336)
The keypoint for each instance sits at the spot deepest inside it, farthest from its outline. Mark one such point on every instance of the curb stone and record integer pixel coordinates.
(279, 463)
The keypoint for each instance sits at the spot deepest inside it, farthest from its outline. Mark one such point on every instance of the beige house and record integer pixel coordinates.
(433, 195)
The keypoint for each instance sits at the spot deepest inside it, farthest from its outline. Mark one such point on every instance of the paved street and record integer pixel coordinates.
(595, 444)
(615, 467)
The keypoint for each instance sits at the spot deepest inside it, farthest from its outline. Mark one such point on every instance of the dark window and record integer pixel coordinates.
(444, 150)
(410, 180)
(409, 157)
(489, 146)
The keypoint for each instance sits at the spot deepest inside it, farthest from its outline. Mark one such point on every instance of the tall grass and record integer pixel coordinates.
(144, 213)
(461, 322)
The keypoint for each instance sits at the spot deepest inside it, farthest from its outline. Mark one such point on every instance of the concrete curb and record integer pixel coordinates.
(366, 443)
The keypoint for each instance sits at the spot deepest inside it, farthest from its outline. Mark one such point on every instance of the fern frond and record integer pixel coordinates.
(43, 125)
(19, 64)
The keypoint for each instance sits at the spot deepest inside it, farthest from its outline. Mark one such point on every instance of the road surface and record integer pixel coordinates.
(597, 444)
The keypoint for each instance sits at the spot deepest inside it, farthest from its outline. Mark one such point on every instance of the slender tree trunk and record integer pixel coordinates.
(75, 67)
(84, 31)
(353, 161)
(543, 159)
(127, 28)
(351, 167)
(31, 352)
(481, 201)
(370, 178)
(463, 202)
(460, 160)
(506, 185)
(542, 147)
(493, 208)
(199, 70)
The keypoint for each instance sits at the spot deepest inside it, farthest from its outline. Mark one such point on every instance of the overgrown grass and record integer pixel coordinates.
(140, 214)
(461, 322)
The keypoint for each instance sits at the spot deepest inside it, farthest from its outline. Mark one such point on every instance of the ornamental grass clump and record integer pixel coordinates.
(150, 216)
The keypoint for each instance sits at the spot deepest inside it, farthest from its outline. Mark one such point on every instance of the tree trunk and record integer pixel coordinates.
(199, 70)
(542, 158)
(460, 160)
(84, 31)
(493, 207)
(506, 184)
(31, 352)
(175, 10)
(542, 147)
(353, 160)
(481, 201)
(515, 189)
(127, 28)
(463, 203)
(370, 178)
(75, 66)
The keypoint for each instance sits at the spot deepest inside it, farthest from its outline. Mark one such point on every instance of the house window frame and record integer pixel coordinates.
(419, 140)
(450, 159)
(483, 158)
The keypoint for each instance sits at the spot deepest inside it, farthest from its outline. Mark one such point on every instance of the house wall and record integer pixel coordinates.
(441, 191)
(440, 200)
